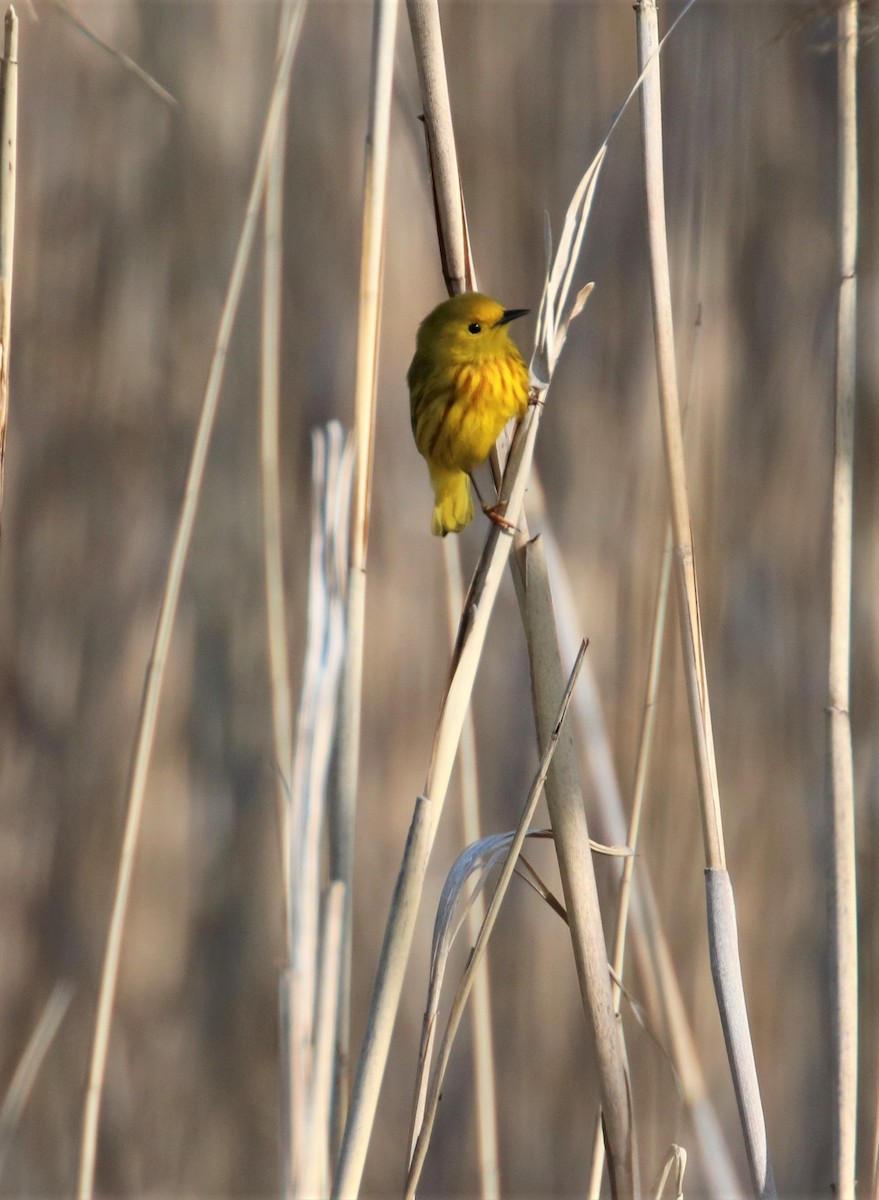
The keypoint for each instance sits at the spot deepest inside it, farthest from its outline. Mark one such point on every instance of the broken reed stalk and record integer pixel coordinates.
(723, 939)
(839, 771)
(155, 672)
(343, 793)
(8, 173)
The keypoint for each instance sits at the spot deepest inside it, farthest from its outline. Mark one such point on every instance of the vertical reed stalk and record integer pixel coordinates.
(645, 745)
(723, 937)
(343, 794)
(459, 273)
(427, 39)
(840, 780)
(8, 164)
(155, 673)
(270, 478)
(273, 561)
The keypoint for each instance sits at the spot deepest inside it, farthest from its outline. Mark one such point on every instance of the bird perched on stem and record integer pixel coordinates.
(466, 381)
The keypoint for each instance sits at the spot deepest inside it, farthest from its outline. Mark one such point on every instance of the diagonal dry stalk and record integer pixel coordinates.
(38, 1046)
(343, 793)
(161, 643)
(840, 774)
(723, 937)
(8, 174)
(66, 10)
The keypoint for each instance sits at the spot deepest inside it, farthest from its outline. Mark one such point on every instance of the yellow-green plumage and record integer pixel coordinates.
(466, 381)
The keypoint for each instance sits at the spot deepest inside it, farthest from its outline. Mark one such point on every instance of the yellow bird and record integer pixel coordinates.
(466, 381)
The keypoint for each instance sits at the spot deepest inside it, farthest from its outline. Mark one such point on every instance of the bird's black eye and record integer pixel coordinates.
(474, 327)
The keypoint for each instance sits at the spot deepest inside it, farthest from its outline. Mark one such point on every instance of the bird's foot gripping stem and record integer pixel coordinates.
(495, 512)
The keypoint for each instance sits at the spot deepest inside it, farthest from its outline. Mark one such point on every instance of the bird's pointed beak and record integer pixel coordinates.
(512, 314)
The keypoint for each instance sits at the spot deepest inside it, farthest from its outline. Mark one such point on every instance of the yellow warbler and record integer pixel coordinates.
(466, 381)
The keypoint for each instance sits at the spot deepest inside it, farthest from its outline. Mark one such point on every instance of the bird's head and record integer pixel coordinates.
(470, 328)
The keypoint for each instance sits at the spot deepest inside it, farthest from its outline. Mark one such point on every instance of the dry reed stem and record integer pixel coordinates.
(483, 1038)
(721, 1179)
(656, 968)
(66, 10)
(454, 242)
(571, 836)
(167, 613)
(726, 968)
(840, 774)
(277, 648)
(642, 761)
(460, 275)
(645, 745)
(663, 328)
(30, 1063)
(343, 794)
(270, 480)
(554, 735)
(677, 1158)
(8, 175)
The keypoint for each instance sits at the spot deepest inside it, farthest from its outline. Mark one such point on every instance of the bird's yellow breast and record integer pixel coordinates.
(458, 413)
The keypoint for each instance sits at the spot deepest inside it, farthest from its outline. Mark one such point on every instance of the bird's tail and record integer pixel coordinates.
(454, 502)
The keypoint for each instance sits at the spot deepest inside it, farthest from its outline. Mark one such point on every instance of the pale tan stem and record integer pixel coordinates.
(840, 770)
(8, 175)
(343, 794)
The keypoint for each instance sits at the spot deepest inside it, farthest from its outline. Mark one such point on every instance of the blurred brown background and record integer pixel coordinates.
(128, 214)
